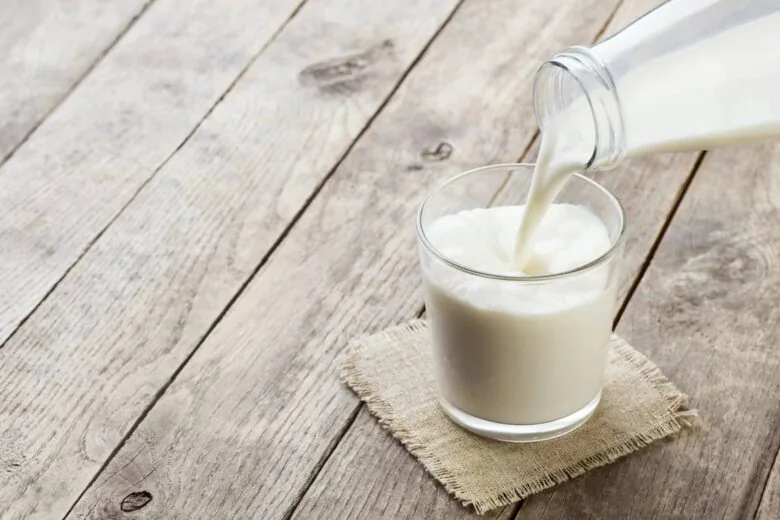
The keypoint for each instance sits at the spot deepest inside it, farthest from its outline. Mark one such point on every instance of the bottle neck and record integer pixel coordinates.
(577, 83)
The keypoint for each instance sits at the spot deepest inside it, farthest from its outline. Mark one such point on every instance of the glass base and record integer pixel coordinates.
(521, 432)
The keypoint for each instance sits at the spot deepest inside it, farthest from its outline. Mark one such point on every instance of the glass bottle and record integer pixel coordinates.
(689, 75)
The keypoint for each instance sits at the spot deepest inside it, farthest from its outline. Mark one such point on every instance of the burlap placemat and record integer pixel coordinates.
(392, 372)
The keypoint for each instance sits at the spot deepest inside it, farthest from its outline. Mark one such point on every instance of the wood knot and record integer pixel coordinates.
(346, 73)
(135, 501)
(440, 153)
(10, 461)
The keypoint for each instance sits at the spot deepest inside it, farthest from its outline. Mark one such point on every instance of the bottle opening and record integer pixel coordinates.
(575, 91)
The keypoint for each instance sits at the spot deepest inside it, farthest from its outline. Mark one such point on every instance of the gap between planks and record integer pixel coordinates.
(758, 514)
(665, 226)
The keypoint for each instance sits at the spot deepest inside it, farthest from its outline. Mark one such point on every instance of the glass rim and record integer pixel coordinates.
(605, 257)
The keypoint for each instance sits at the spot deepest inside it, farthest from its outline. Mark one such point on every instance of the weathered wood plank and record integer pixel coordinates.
(258, 406)
(706, 313)
(352, 485)
(93, 153)
(398, 486)
(88, 362)
(46, 47)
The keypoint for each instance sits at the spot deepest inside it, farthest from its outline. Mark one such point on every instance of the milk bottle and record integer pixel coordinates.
(689, 75)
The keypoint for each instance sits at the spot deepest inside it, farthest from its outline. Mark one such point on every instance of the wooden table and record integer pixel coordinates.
(201, 201)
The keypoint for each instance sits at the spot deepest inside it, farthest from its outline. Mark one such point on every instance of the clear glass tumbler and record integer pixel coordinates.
(528, 372)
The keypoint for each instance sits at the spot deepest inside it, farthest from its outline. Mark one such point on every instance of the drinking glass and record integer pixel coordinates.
(527, 372)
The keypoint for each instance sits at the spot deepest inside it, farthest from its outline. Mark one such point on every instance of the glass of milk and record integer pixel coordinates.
(519, 352)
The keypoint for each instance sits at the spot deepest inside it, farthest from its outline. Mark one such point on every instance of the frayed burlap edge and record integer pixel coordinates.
(677, 418)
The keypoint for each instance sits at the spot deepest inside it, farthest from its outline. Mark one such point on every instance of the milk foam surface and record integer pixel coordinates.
(484, 239)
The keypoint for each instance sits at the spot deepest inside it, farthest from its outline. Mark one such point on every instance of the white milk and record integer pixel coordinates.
(517, 352)
(688, 100)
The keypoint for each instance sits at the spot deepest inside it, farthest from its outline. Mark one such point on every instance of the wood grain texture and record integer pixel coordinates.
(46, 47)
(248, 421)
(88, 362)
(90, 157)
(706, 313)
(351, 485)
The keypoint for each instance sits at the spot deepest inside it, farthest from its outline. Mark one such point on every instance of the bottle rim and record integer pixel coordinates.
(598, 86)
